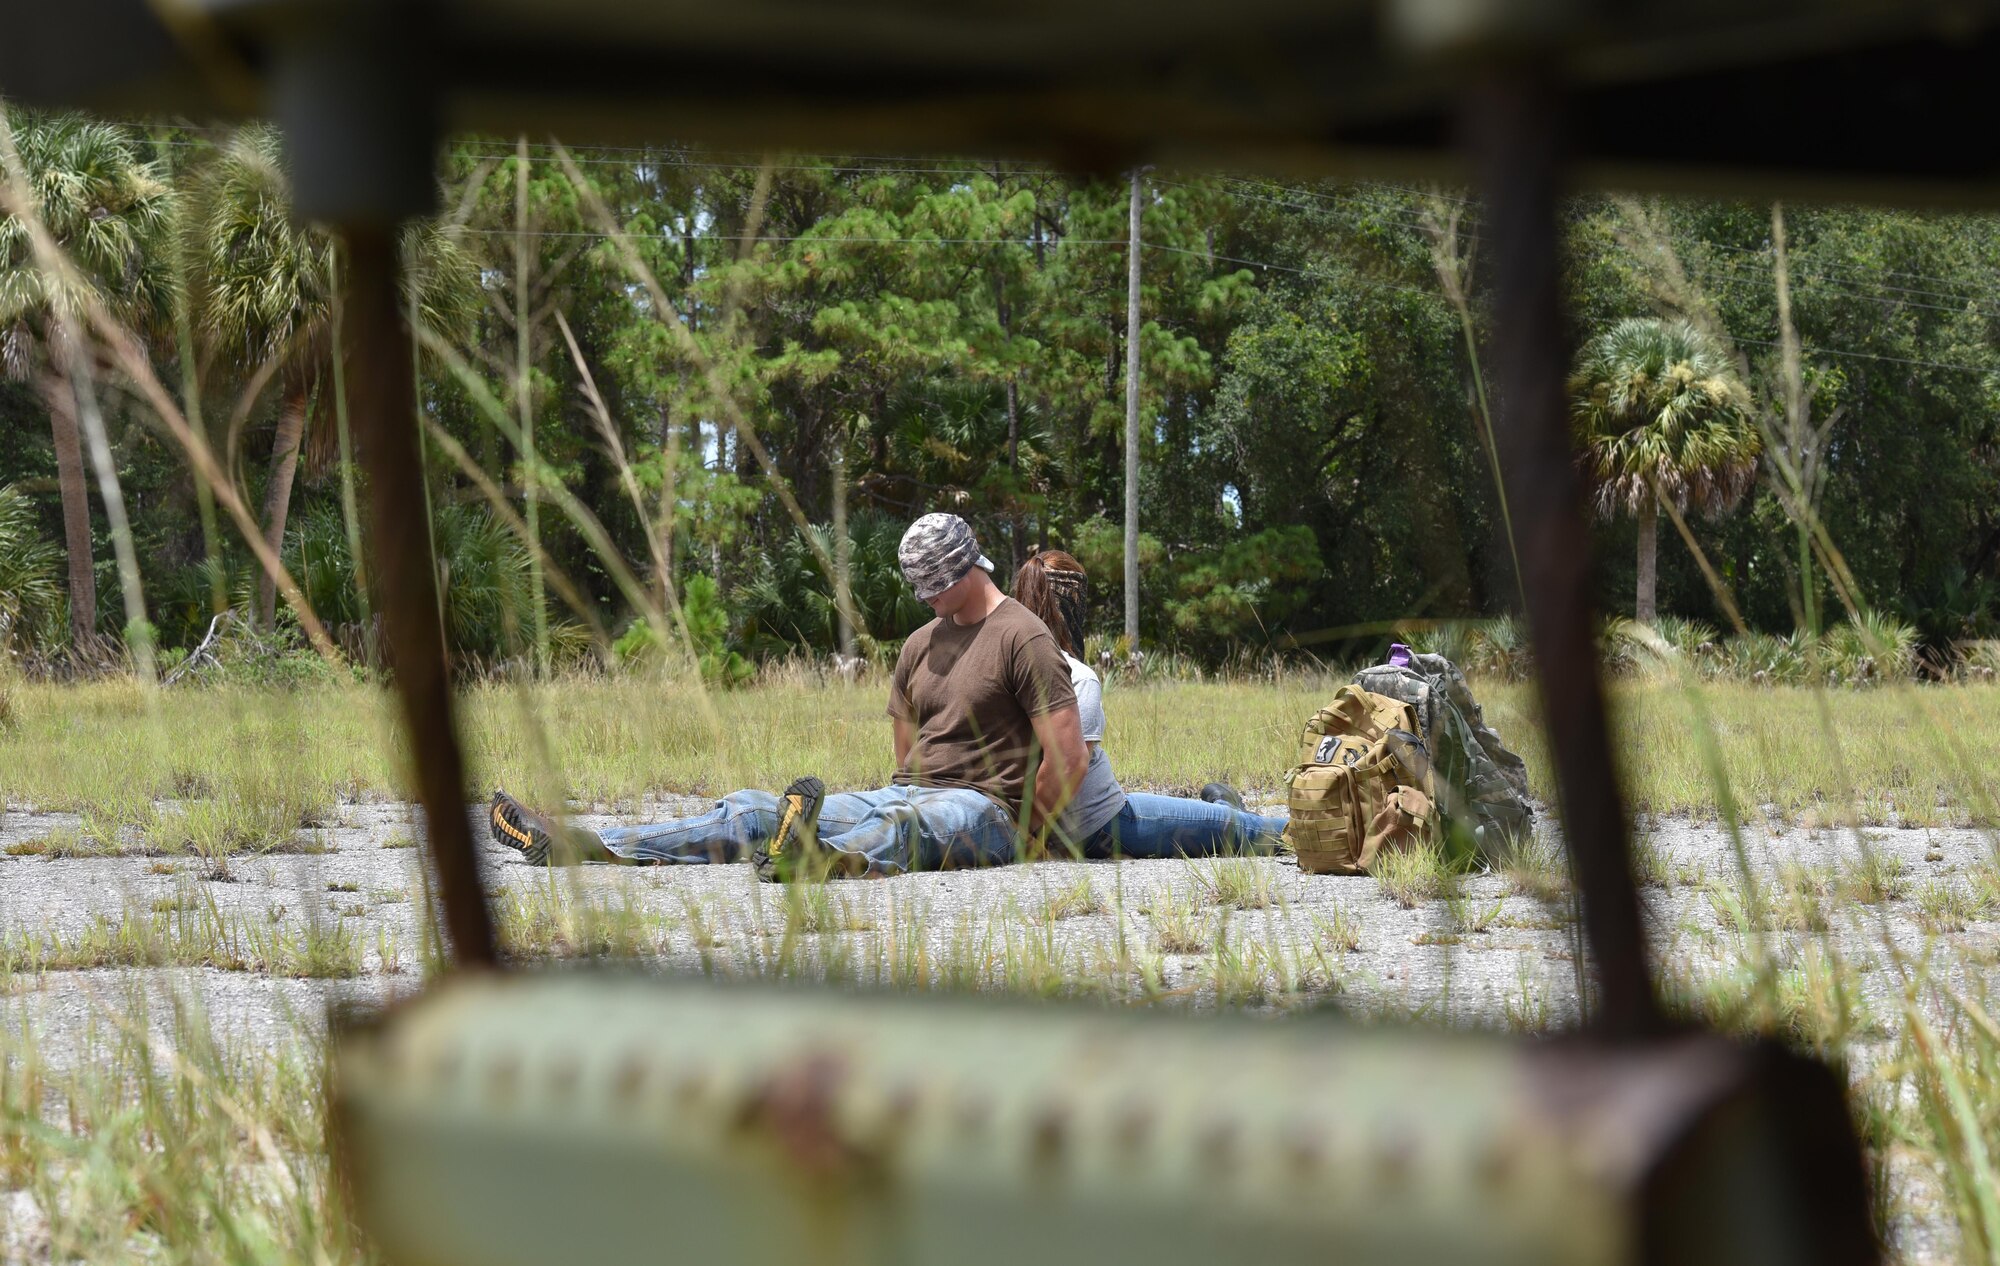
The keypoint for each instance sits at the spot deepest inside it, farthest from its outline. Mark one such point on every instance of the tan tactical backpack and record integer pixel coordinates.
(1362, 783)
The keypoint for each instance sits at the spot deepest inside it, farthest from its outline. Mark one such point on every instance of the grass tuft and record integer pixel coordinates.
(1943, 906)
(189, 930)
(547, 920)
(1075, 900)
(1534, 867)
(1651, 866)
(1877, 878)
(1413, 876)
(1180, 926)
(1474, 917)
(1340, 932)
(1240, 884)
(819, 909)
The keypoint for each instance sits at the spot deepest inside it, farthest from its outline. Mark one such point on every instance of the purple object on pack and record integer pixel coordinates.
(1399, 655)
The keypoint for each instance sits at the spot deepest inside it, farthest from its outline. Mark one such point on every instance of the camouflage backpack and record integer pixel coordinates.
(1480, 787)
(1360, 785)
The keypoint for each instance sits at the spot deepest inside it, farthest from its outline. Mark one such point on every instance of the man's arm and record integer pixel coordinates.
(1064, 759)
(901, 710)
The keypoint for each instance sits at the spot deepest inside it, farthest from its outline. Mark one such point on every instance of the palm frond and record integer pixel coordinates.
(109, 209)
(32, 606)
(1658, 407)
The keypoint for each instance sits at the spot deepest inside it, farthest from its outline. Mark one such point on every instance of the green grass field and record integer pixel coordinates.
(191, 1148)
(1916, 755)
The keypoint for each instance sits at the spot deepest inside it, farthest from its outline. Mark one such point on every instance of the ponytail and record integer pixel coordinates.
(1053, 586)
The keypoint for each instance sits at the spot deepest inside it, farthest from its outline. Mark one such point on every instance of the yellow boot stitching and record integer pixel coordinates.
(508, 828)
(793, 806)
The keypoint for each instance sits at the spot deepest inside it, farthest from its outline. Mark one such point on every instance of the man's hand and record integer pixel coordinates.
(1064, 759)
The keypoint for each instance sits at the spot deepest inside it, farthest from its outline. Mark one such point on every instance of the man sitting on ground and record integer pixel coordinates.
(988, 744)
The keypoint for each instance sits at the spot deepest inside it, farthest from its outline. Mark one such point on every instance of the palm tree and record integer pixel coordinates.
(1661, 413)
(267, 299)
(30, 588)
(109, 210)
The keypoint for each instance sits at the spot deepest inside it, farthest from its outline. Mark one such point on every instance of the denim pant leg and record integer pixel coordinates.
(738, 823)
(962, 830)
(923, 828)
(1151, 826)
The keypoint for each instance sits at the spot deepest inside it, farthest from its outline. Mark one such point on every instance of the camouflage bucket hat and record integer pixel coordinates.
(936, 552)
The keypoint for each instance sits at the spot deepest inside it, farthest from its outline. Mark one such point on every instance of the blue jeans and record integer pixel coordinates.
(1172, 826)
(894, 829)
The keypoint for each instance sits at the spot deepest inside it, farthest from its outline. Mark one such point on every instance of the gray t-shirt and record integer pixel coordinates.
(1099, 797)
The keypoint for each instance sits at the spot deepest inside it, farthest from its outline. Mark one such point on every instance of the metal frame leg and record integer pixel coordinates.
(1514, 124)
(405, 580)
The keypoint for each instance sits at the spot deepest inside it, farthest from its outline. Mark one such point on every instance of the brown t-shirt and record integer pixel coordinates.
(973, 691)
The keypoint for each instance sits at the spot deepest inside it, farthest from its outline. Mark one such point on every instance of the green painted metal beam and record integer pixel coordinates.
(571, 1118)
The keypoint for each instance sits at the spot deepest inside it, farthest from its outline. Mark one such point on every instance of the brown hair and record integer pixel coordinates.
(1052, 584)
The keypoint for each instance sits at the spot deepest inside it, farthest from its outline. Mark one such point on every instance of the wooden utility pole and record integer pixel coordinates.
(1132, 426)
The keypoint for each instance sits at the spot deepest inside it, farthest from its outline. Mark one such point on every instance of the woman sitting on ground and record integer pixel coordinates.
(1104, 819)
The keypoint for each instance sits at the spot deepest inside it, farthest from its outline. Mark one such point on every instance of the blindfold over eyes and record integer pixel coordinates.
(1068, 588)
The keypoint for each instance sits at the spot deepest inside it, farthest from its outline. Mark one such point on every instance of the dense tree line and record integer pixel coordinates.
(707, 383)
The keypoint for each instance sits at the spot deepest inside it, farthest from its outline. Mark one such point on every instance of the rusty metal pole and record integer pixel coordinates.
(354, 86)
(383, 404)
(1514, 123)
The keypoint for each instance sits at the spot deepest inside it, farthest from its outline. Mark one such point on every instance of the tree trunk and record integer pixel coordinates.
(1132, 427)
(1015, 549)
(524, 401)
(1649, 560)
(1014, 528)
(843, 595)
(278, 492)
(75, 508)
(670, 458)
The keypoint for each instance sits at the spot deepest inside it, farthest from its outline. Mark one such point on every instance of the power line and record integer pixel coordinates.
(1817, 282)
(812, 237)
(867, 165)
(1884, 293)
(1887, 295)
(672, 156)
(1762, 252)
(1261, 265)
(1894, 360)
(1355, 216)
(1356, 279)
(1824, 275)
(1420, 291)
(1819, 267)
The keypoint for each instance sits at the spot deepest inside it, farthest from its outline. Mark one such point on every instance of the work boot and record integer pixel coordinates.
(1223, 793)
(535, 834)
(793, 846)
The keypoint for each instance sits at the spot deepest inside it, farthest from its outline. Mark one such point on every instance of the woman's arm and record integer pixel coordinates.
(1064, 759)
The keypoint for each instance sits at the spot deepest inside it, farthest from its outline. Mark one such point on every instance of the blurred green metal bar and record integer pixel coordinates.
(521, 1119)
